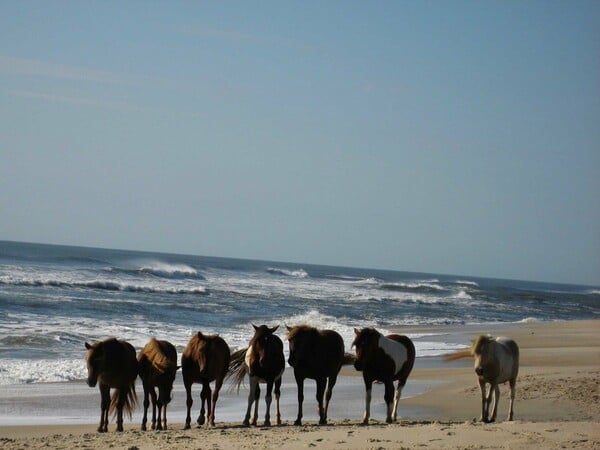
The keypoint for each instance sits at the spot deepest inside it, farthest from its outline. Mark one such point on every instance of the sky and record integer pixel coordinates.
(458, 137)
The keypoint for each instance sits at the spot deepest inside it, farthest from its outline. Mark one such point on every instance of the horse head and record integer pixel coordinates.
(366, 342)
(482, 352)
(299, 339)
(94, 360)
(261, 340)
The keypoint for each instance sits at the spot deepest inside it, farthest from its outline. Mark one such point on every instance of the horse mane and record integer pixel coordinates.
(297, 329)
(475, 348)
(479, 342)
(153, 351)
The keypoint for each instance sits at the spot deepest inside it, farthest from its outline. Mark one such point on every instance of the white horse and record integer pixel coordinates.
(496, 362)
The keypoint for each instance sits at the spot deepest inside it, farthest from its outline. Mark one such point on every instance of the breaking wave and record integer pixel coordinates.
(107, 285)
(299, 273)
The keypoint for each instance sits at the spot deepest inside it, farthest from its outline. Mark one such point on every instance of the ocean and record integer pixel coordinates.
(54, 298)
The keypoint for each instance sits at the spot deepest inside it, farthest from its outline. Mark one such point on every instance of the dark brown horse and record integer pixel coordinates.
(157, 366)
(112, 364)
(205, 359)
(263, 361)
(386, 359)
(318, 355)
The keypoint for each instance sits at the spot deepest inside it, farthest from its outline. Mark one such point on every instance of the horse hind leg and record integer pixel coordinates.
(277, 397)
(146, 406)
(215, 397)
(300, 385)
(329, 393)
(512, 382)
(205, 399)
(153, 397)
(189, 403)
(104, 407)
(321, 382)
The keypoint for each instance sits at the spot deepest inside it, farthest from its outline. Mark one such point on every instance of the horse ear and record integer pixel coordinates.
(88, 346)
(288, 328)
(356, 331)
(274, 329)
(255, 327)
(200, 335)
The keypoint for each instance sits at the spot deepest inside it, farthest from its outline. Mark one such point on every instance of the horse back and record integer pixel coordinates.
(205, 358)
(324, 356)
(121, 364)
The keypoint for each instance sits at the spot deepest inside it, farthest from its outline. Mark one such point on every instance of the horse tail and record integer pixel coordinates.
(458, 355)
(129, 400)
(238, 368)
(348, 359)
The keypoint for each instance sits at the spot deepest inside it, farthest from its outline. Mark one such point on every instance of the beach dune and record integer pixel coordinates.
(557, 406)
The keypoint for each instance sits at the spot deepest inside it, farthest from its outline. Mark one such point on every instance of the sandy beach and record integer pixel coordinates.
(557, 406)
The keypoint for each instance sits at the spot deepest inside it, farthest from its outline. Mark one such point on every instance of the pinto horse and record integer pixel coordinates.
(157, 366)
(496, 362)
(205, 359)
(263, 361)
(112, 364)
(318, 355)
(385, 359)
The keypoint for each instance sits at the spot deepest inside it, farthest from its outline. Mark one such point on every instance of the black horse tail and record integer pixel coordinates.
(238, 368)
(127, 396)
(348, 359)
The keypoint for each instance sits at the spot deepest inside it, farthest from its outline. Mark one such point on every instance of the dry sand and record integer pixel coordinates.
(557, 406)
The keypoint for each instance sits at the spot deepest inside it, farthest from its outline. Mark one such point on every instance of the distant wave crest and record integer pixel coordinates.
(170, 270)
(299, 273)
(108, 285)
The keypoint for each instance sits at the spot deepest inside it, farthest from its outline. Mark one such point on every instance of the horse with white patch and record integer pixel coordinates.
(496, 362)
(264, 362)
(386, 359)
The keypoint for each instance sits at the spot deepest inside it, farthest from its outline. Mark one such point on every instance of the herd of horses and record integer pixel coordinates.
(313, 353)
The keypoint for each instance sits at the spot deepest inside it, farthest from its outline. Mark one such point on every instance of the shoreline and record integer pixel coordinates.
(557, 404)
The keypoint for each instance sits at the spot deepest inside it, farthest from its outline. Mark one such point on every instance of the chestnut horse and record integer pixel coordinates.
(385, 359)
(205, 359)
(112, 364)
(263, 361)
(496, 362)
(318, 355)
(157, 365)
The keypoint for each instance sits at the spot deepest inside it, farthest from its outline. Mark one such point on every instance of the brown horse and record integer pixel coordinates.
(157, 365)
(263, 361)
(205, 359)
(112, 364)
(386, 359)
(318, 355)
(496, 362)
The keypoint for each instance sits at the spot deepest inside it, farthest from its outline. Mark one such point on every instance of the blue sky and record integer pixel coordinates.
(447, 137)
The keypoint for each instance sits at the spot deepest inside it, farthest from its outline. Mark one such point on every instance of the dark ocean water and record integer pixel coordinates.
(54, 298)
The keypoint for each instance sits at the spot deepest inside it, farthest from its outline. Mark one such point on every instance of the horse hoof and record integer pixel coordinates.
(143, 428)
(298, 423)
(323, 422)
(187, 426)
